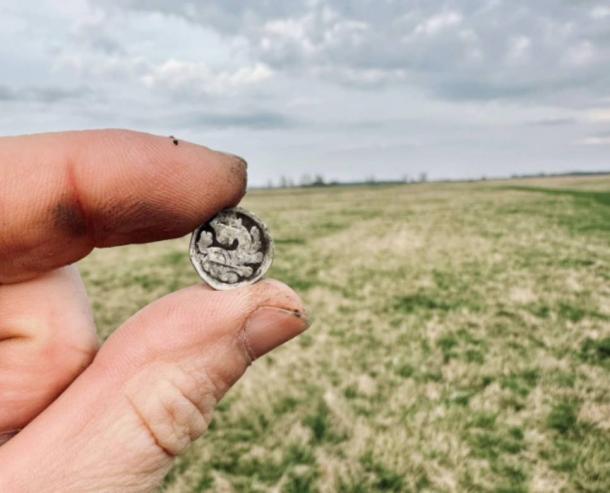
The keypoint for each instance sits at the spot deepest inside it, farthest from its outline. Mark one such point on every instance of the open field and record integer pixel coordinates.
(461, 342)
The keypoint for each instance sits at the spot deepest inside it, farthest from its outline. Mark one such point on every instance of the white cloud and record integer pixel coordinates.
(486, 87)
(353, 31)
(600, 12)
(472, 46)
(468, 36)
(311, 34)
(438, 23)
(461, 52)
(288, 28)
(104, 67)
(519, 49)
(599, 115)
(280, 32)
(581, 54)
(368, 77)
(596, 141)
(200, 78)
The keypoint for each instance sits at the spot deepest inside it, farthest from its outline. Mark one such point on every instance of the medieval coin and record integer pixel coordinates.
(233, 249)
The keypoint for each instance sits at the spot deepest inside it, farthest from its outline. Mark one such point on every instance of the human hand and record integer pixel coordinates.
(114, 419)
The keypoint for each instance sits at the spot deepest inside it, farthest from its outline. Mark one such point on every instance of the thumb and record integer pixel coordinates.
(150, 391)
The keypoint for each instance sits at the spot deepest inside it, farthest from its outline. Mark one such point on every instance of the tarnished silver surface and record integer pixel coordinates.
(232, 250)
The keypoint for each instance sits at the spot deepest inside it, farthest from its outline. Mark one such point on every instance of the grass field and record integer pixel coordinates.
(461, 342)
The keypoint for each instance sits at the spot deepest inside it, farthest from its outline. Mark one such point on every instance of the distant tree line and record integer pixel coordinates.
(318, 180)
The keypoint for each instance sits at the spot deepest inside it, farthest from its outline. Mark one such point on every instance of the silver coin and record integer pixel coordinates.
(231, 250)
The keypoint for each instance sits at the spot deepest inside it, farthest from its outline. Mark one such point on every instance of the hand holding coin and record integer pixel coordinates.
(122, 412)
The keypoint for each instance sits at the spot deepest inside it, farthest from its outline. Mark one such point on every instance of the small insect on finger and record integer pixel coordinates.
(174, 140)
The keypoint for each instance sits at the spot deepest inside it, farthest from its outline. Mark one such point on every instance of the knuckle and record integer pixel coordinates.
(66, 347)
(42, 365)
(173, 406)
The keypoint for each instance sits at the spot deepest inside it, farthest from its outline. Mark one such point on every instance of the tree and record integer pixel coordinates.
(306, 180)
(318, 181)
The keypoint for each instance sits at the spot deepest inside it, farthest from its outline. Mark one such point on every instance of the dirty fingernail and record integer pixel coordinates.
(268, 327)
(235, 159)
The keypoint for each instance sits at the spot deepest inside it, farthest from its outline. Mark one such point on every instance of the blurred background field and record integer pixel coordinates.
(461, 341)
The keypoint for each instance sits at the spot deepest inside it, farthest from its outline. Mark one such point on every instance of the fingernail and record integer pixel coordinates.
(241, 160)
(268, 327)
(234, 158)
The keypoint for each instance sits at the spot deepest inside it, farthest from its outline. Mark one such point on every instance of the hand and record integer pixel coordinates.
(114, 419)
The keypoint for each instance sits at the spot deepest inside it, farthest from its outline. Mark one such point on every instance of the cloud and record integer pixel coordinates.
(438, 23)
(600, 12)
(457, 88)
(581, 54)
(256, 120)
(199, 78)
(519, 49)
(465, 50)
(43, 94)
(7, 94)
(602, 139)
(599, 115)
(553, 122)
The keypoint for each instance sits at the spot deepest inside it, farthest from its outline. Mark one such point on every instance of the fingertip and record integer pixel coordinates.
(279, 316)
(269, 327)
(238, 173)
(158, 190)
(104, 188)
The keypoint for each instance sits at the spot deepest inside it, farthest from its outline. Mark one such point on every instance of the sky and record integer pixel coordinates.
(346, 89)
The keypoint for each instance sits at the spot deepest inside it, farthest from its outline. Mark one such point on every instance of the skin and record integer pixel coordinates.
(113, 418)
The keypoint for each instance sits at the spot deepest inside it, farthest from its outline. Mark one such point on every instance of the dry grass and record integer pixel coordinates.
(461, 342)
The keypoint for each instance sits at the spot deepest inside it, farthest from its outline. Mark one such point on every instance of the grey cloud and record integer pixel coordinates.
(7, 94)
(455, 88)
(470, 90)
(462, 50)
(228, 15)
(253, 120)
(104, 44)
(553, 122)
(43, 94)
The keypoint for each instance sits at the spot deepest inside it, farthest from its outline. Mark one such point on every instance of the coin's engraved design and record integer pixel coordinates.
(233, 249)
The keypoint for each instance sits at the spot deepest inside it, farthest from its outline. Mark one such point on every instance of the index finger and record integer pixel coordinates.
(63, 194)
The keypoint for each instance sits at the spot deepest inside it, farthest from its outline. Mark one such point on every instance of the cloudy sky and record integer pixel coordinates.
(346, 88)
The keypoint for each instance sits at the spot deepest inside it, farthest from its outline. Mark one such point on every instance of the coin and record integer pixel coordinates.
(231, 250)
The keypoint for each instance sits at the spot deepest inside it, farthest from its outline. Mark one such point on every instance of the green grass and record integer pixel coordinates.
(461, 342)
(597, 351)
(593, 208)
(563, 417)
